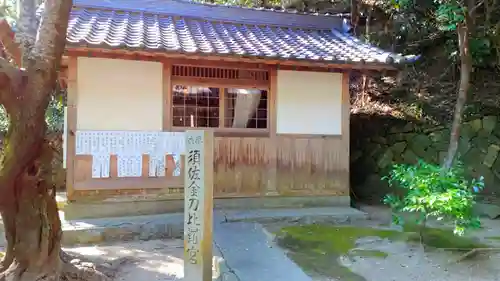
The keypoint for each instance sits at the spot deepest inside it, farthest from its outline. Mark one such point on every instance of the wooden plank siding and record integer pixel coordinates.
(245, 165)
(304, 166)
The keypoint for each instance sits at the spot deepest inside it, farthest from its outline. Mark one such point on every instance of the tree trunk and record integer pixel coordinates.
(465, 71)
(29, 208)
(32, 224)
(27, 202)
(355, 12)
(34, 252)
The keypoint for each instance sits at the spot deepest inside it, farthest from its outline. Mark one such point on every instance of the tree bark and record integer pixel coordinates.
(33, 232)
(32, 224)
(465, 71)
(355, 12)
(27, 203)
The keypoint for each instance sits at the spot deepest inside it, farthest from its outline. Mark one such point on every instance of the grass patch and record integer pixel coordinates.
(330, 239)
(493, 238)
(316, 248)
(443, 239)
(368, 253)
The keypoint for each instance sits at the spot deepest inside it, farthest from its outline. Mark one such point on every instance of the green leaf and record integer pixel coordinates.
(432, 193)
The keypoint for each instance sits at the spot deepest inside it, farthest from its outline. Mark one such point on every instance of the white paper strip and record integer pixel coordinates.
(96, 167)
(136, 163)
(177, 162)
(157, 165)
(129, 143)
(86, 143)
(82, 143)
(129, 165)
(105, 161)
(153, 163)
(94, 143)
(100, 166)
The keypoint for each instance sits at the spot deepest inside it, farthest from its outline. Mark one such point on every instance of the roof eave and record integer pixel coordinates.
(80, 50)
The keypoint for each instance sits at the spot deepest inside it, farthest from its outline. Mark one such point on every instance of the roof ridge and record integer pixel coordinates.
(215, 12)
(78, 4)
(190, 17)
(258, 9)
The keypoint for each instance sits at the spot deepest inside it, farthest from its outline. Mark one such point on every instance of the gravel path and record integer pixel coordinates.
(406, 262)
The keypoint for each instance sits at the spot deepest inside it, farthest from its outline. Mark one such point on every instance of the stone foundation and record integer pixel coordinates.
(84, 210)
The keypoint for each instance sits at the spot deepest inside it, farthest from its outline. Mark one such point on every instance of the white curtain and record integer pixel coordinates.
(245, 105)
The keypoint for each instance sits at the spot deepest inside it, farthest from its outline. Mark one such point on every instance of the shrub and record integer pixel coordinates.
(432, 192)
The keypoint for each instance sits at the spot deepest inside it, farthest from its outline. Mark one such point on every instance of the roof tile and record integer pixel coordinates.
(119, 25)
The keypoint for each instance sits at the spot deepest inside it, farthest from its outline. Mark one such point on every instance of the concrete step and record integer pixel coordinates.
(127, 205)
(93, 231)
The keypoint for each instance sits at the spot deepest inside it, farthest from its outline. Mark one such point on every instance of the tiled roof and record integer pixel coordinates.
(191, 28)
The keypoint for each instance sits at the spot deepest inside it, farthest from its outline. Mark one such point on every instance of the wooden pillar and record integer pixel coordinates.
(346, 113)
(167, 97)
(72, 94)
(198, 205)
(272, 171)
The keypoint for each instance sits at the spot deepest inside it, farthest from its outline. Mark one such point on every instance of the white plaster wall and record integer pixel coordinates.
(309, 103)
(118, 94)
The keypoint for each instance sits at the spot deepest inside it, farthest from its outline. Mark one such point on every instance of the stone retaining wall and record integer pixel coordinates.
(373, 153)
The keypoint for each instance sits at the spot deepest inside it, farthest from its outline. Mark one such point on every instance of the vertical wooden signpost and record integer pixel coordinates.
(198, 205)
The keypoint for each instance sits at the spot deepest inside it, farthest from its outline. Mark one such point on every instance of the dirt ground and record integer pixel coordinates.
(154, 260)
(406, 261)
(161, 260)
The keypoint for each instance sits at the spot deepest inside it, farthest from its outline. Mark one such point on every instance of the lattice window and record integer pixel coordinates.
(195, 106)
(209, 107)
(216, 73)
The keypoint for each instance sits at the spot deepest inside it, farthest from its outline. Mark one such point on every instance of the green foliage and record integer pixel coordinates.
(449, 14)
(8, 11)
(54, 115)
(414, 21)
(432, 192)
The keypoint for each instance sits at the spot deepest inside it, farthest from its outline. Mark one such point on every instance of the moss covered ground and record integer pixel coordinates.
(316, 248)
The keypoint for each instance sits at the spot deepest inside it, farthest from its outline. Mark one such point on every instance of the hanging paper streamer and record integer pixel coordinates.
(96, 167)
(130, 146)
(129, 165)
(105, 161)
(100, 166)
(82, 143)
(120, 142)
(177, 162)
(153, 166)
(156, 165)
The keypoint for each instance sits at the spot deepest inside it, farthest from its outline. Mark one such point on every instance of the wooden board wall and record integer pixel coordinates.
(243, 167)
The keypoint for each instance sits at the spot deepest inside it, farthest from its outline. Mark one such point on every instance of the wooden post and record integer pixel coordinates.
(198, 205)
(71, 126)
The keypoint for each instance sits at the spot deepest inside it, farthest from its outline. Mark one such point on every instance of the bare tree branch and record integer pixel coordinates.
(27, 28)
(51, 40)
(473, 10)
(10, 46)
